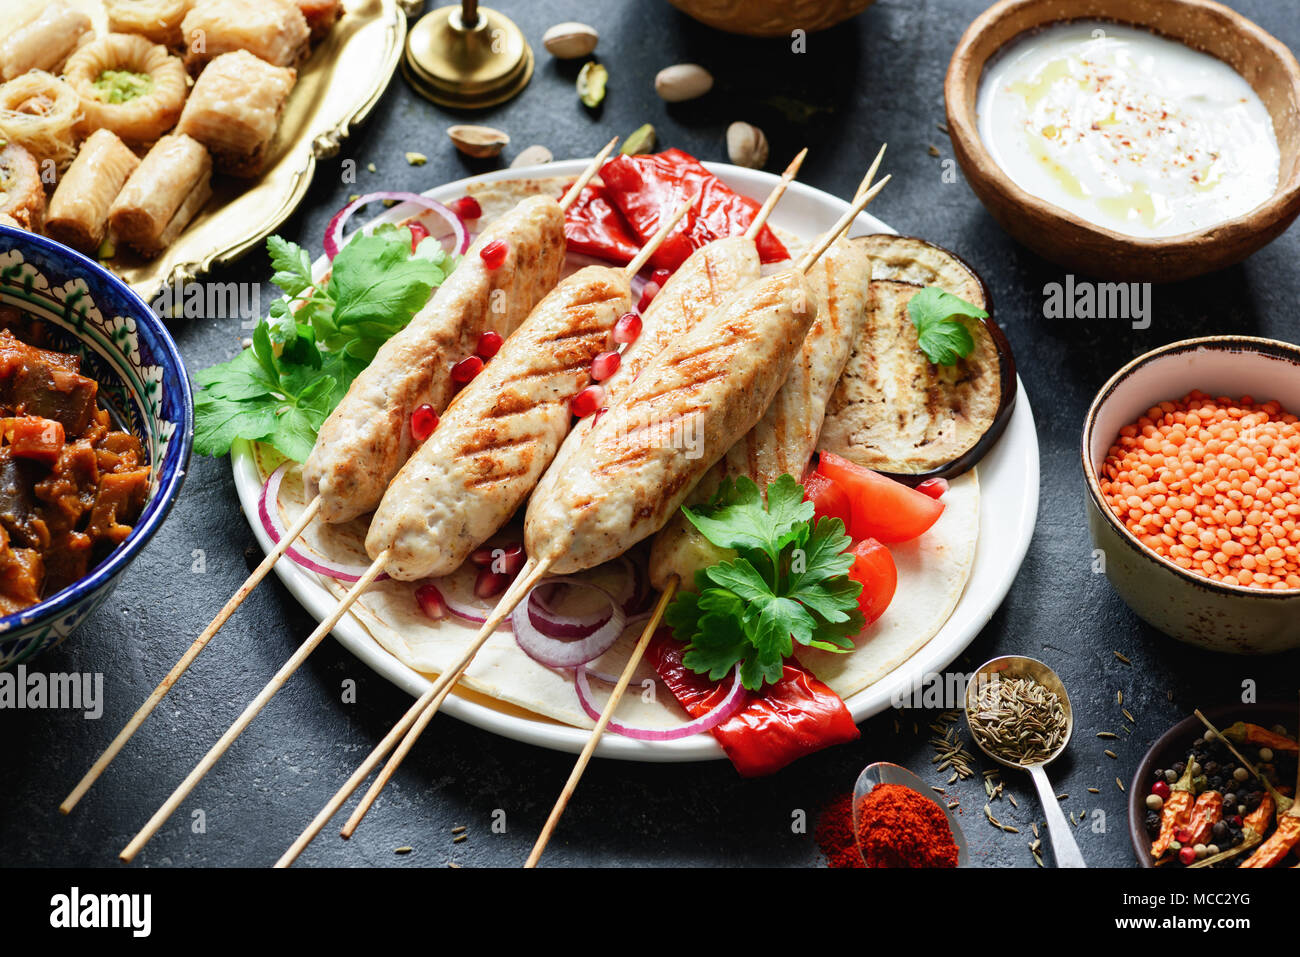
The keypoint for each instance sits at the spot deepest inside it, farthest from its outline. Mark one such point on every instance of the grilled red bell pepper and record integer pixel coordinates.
(793, 717)
(648, 189)
(594, 226)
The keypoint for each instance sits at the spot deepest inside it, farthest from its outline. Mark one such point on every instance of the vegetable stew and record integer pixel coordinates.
(71, 484)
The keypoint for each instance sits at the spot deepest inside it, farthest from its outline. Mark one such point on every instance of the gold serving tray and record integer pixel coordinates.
(337, 88)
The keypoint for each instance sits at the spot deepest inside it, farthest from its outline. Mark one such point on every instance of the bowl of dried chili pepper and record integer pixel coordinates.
(96, 421)
(1218, 790)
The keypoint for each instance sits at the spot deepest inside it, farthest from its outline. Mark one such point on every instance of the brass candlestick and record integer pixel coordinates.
(467, 57)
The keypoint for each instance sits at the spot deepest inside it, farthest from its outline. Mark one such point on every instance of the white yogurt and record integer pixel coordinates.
(1128, 130)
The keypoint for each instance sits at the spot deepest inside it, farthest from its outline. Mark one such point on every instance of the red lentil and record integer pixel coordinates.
(1212, 484)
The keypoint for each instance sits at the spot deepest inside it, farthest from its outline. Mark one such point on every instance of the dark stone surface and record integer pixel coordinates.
(877, 78)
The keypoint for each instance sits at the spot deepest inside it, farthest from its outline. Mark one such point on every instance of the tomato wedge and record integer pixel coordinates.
(874, 569)
(829, 500)
(883, 509)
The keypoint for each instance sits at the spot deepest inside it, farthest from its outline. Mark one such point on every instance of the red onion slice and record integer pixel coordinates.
(334, 231)
(705, 722)
(554, 624)
(557, 652)
(269, 515)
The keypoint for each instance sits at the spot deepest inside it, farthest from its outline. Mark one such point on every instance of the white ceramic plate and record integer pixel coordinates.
(1008, 510)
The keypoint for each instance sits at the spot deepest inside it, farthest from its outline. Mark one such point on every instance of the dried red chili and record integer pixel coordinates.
(898, 827)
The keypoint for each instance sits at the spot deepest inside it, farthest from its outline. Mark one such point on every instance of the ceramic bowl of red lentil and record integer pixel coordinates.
(1191, 455)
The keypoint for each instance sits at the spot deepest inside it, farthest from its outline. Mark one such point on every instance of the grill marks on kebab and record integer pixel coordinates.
(367, 438)
(565, 314)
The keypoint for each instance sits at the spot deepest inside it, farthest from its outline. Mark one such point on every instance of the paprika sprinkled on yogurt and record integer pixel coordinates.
(1213, 485)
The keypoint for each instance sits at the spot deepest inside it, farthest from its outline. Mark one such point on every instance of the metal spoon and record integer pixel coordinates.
(882, 772)
(1058, 829)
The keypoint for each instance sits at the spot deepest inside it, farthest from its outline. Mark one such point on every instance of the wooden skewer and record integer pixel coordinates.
(774, 197)
(844, 222)
(255, 706)
(187, 659)
(592, 169)
(424, 709)
(605, 716)
(871, 173)
(610, 706)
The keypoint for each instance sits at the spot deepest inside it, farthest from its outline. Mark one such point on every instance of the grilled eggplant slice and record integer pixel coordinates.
(893, 410)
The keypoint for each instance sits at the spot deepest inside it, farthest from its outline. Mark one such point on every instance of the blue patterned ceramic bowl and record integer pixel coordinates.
(126, 348)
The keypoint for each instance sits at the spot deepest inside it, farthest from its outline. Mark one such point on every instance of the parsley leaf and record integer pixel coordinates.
(940, 321)
(736, 517)
(315, 340)
(788, 583)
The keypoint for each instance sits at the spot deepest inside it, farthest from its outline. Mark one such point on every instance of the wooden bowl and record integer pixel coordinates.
(771, 18)
(1263, 60)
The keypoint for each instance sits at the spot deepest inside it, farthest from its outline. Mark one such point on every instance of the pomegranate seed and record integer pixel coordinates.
(1187, 856)
(489, 584)
(934, 487)
(605, 365)
(466, 207)
(647, 296)
(418, 232)
(494, 253)
(423, 421)
(1161, 790)
(627, 328)
(489, 344)
(587, 401)
(659, 277)
(509, 559)
(430, 601)
(466, 369)
(482, 557)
